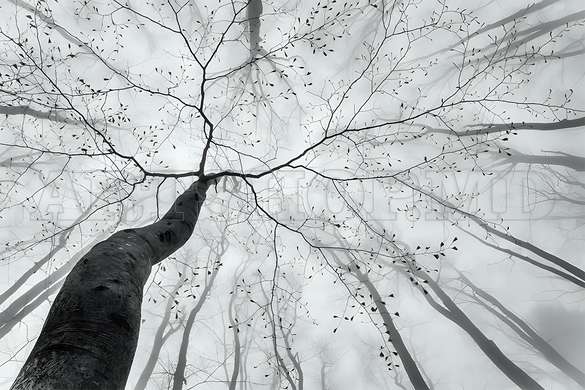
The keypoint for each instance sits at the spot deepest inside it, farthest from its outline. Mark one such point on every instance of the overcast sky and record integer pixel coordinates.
(268, 112)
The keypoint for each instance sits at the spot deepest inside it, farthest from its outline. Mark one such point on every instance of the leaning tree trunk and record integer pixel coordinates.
(159, 340)
(412, 371)
(90, 334)
(179, 375)
(14, 312)
(526, 332)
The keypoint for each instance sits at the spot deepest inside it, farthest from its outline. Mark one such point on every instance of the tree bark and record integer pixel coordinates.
(90, 334)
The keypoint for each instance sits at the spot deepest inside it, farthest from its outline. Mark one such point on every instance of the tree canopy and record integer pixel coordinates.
(395, 190)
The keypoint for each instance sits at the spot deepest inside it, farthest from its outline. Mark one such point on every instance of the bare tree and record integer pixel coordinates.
(412, 370)
(210, 274)
(159, 339)
(283, 124)
(100, 301)
(524, 330)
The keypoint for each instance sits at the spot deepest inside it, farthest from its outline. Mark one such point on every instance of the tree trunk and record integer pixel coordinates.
(565, 265)
(61, 243)
(179, 375)
(24, 311)
(254, 12)
(526, 332)
(52, 281)
(159, 340)
(414, 374)
(565, 275)
(90, 335)
(237, 345)
(410, 366)
(452, 312)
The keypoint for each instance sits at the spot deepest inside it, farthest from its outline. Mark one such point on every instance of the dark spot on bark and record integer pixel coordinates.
(180, 204)
(121, 321)
(115, 281)
(85, 260)
(169, 223)
(128, 230)
(149, 244)
(101, 288)
(165, 236)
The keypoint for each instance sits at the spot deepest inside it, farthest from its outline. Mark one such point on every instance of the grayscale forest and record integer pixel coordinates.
(301, 195)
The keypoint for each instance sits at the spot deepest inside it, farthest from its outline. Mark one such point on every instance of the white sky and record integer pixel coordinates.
(309, 293)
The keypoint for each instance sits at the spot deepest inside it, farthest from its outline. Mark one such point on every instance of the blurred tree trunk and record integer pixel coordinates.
(237, 344)
(452, 312)
(525, 331)
(159, 340)
(410, 366)
(90, 334)
(60, 244)
(179, 375)
(30, 299)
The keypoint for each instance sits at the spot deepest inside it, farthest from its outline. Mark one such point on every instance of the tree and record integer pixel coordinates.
(328, 156)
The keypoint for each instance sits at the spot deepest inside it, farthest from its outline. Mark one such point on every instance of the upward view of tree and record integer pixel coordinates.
(292, 195)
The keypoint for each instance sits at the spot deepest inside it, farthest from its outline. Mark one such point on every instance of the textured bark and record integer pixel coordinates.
(90, 335)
